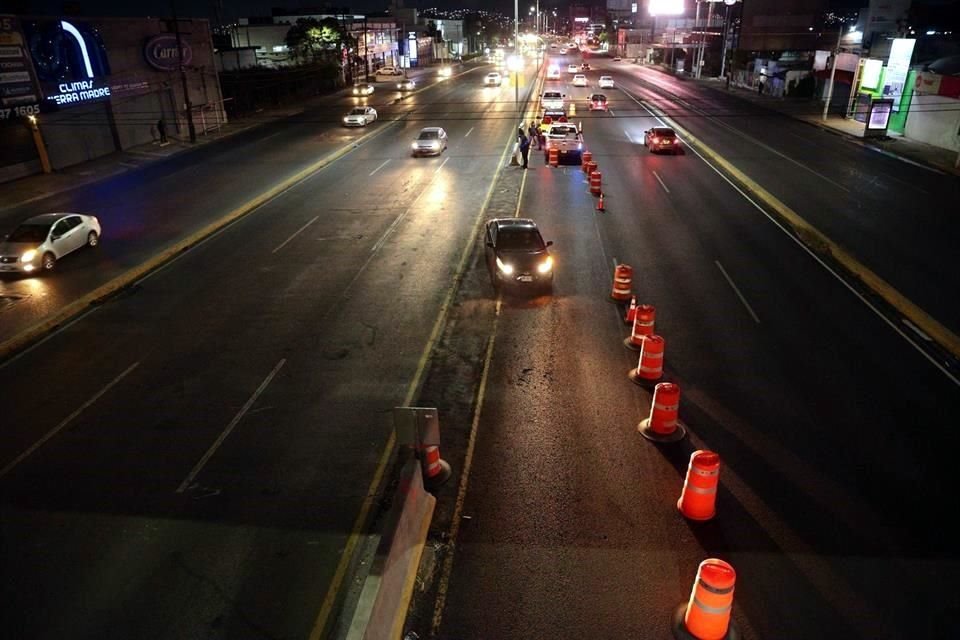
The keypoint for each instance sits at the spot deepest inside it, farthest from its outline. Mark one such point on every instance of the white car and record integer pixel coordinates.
(360, 117)
(552, 100)
(407, 84)
(362, 89)
(38, 242)
(430, 142)
(493, 79)
(579, 80)
(389, 71)
(606, 82)
(553, 73)
(572, 68)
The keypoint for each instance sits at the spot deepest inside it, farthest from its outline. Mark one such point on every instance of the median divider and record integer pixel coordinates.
(819, 243)
(31, 334)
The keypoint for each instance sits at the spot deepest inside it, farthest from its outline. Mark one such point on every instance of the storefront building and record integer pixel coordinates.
(101, 85)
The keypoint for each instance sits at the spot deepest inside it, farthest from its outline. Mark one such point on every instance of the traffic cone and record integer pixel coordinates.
(706, 616)
(631, 312)
(649, 369)
(663, 425)
(698, 499)
(435, 470)
(600, 203)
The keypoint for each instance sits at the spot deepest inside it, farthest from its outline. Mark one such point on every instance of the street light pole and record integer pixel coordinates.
(516, 55)
(833, 73)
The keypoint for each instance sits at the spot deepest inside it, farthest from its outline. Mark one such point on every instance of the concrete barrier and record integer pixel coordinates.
(388, 588)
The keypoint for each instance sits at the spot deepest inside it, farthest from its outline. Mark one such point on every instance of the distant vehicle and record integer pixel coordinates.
(552, 99)
(445, 71)
(616, 59)
(360, 117)
(493, 79)
(553, 73)
(407, 84)
(605, 82)
(430, 142)
(572, 68)
(362, 89)
(579, 80)
(598, 102)
(516, 254)
(661, 139)
(39, 242)
(550, 117)
(389, 71)
(584, 67)
(567, 140)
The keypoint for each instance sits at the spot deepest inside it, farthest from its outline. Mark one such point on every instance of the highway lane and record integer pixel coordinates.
(831, 500)
(145, 211)
(888, 213)
(189, 459)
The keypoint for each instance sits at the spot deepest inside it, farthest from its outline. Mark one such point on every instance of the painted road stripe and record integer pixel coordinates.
(57, 429)
(657, 176)
(737, 291)
(627, 133)
(804, 235)
(467, 134)
(382, 165)
(295, 234)
(445, 161)
(226, 432)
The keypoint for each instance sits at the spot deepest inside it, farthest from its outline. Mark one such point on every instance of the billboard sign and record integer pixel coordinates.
(161, 52)
(898, 65)
(870, 75)
(70, 61)
(19, 91)
(666, 7)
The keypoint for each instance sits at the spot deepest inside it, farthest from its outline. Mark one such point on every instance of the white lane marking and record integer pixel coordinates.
(610, 111)
(128, 164)
(902, 159)
(737, 291)
(797, 241)
(226, 432)
(445, 161)
(468, 132)
(627, 133)
(63, 423)
(382, 165)
(294, 235)
(657, 176)
(916, 329)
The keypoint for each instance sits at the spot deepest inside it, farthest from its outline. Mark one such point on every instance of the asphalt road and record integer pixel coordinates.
(188, 459)
(835, 432)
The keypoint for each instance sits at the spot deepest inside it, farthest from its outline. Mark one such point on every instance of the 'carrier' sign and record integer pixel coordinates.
(161, 52)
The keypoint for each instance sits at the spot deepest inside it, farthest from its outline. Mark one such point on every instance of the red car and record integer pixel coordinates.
(598, 102)
(661, 139)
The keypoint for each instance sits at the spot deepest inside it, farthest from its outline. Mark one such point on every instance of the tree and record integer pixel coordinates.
(314, 40)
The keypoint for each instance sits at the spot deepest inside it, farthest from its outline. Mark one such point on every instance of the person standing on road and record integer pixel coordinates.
(762, 81)
(524, 149)
(162, 130)
(532, 132)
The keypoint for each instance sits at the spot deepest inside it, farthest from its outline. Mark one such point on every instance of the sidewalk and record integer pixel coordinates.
(811, 112)
(30, 188)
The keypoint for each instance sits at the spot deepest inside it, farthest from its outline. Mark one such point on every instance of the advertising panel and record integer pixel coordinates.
(870, 76)
(898, 65)
(19, 91)
(666, 7)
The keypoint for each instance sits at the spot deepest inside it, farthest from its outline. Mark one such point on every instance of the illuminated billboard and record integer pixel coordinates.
(901, 51)
(666, 7)
(870, 76)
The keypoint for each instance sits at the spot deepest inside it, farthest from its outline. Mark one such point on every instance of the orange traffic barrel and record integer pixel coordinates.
(585, 160)
(622, 282)
(435, 470)
(663, 424)
(698, 499)
(595, 179)
(590, 167)
(650, 367)
(554, 155)
(643, 320)
(706, 616)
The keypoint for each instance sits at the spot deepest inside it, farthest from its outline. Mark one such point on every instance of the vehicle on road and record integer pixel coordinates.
(445, 71)
(493, 79)
(605, 82)
(568, 142)
(572, 68)
(432, 141)
(661, 139)
(407, 84)
(552, 116)
(362, 89)
(553, 73)
(388, 73)
(39, 242)
(360, 117)
(552, 100)
(597, 102)
(516, 254)
(584, 66)
(579, 80)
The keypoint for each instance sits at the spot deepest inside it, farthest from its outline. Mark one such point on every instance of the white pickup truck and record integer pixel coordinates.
(568, 141)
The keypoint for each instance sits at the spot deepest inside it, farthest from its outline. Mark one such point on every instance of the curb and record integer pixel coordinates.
(29, 335)
(819, 243)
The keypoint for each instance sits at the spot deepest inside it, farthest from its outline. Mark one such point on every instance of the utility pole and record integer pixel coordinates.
(833, 73)
(188, 107)
(516, 55)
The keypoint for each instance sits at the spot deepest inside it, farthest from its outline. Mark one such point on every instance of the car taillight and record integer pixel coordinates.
(676, 141)
(655, 140)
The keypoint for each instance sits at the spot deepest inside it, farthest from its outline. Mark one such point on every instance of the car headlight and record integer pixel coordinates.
(414, 145)
(345, 119)
(28, 256)
(435, 145)
(546, 265)
(505, 268)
